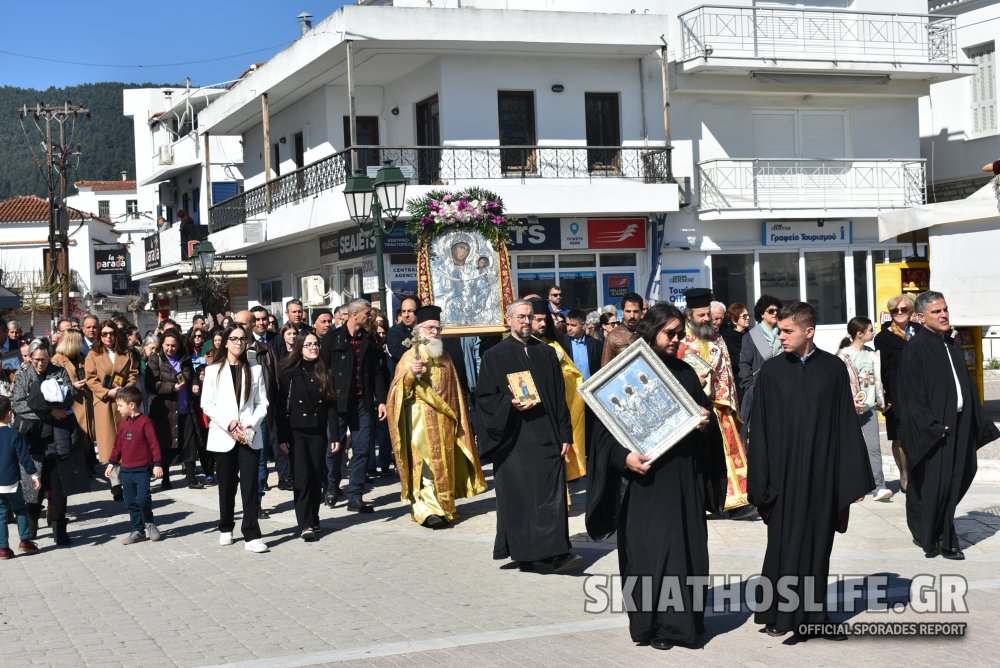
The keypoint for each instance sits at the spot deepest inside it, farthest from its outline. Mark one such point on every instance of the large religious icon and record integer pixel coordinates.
(640, 401)
(462, 260)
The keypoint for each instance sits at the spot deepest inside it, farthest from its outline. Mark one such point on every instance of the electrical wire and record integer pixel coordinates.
(141, 66)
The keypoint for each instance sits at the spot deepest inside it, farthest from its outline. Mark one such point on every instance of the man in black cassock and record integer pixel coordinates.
(661, 524)
(942, 426)
(807, 463)
(526, 443)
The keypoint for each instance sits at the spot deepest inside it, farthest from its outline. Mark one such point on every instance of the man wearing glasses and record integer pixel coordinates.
(759, 345)
(555, 301)
(430, 423)
(527, 443)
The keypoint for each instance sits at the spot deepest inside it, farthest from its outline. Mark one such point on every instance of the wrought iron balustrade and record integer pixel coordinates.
(715, 31)
(444, 165)
(731, 184)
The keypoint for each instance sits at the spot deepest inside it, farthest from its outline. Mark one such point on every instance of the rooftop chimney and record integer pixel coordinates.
(305, 22)
(124, 175)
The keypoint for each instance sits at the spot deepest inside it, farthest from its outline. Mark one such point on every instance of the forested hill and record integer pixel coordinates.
(105, 139)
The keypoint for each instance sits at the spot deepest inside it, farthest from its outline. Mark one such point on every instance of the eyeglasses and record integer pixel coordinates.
(39, 360)
(103, 334)
(555, 294)
(771, 310)
(307, 345)
(744, 315)
(523, 317)
(899, 311)
(672, 334)
(237, 339)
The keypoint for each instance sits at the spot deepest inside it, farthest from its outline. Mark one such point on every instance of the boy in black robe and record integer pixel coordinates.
(942, 427)
(661, 523)
(527, 444)
(807, 463)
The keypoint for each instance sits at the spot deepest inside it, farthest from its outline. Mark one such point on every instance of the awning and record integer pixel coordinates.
(9, 300)
(979, 206)
(963, 238)
(168, 173)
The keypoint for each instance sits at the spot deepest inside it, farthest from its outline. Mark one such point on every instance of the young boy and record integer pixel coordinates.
(13, 455)
(138, 451)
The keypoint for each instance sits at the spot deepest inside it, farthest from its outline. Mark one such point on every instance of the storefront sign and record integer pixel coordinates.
(617, 286)
(574, 233)
(369, 279)
(542, 234)
(151, 244)
(110, 260)
(549, 276)
(617, 233)
(402, 281)
(804, 233)
(352, 243)
(674, 282)
(328, 244)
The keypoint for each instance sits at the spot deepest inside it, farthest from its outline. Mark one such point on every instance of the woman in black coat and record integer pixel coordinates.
(890, 343)
(306, 413)
(169, 379)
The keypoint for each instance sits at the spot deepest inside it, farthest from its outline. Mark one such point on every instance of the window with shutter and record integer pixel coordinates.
(984, 90)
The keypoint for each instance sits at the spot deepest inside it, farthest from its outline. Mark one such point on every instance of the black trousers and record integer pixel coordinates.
(238, 467)
(52, 485)
(309, 468)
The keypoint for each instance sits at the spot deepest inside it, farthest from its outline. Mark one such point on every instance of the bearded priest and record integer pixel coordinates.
(430, 428)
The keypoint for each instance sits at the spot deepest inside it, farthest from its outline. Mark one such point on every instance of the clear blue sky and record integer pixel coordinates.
(130, 33)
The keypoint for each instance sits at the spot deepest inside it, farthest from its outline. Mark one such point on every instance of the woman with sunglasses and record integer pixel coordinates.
(306, 413)
(735, 323)
(890, 343)
(760, 344)
(110, 366)
(660, 520)
(234, 399)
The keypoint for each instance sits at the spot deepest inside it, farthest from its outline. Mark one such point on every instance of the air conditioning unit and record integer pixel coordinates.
(312, 291)
(166, 155)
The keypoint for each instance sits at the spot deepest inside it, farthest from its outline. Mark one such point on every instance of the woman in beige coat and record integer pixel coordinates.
(110, 366)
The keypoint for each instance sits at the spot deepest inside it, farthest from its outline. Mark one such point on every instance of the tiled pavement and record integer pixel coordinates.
(379, 590)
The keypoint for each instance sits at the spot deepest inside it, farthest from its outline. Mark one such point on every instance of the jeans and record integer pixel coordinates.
(869, 429)
(383, 445)
(15, 502)
(360, 421)
(135, 489)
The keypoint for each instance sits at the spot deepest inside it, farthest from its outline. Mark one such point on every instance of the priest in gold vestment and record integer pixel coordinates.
(431, 432)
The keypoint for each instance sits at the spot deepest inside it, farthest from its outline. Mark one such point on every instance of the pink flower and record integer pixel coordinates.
(447, 198)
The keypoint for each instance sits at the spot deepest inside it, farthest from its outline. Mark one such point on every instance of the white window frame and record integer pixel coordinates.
(976, 82)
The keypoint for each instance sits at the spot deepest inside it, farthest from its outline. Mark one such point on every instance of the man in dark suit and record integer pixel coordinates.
(585, 350)
(403, 329)
(260, 350)
(361, 380)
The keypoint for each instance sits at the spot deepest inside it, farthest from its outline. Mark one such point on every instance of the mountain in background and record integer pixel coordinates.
(106, 143)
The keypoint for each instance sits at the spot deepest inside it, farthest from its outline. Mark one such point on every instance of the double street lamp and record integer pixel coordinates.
(367, 203)
(203, 264)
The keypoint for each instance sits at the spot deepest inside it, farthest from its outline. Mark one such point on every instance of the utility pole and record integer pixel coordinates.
(57, 162)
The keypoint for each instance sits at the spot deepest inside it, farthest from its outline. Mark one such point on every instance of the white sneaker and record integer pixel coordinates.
(882, 494)
(256, 545)
(225, 538)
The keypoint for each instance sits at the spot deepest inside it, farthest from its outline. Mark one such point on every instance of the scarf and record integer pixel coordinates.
(771, 336)
(900, 332)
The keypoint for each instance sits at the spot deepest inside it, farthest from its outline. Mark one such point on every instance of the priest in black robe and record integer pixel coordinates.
(942, 426)
(526, 444)
(808, 463)
(661, 523)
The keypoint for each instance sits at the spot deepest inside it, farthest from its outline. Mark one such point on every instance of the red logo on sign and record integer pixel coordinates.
(618, 282)
(617, 233)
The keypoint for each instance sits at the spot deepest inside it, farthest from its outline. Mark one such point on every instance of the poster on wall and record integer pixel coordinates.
(674, 282)
(617, 286)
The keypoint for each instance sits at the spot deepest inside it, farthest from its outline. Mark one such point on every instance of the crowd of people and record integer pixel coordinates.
(788, 432)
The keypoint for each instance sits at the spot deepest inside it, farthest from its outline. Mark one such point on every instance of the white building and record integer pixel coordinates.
(959, 122)
(115, 201)
(179, 168)
(791, 128)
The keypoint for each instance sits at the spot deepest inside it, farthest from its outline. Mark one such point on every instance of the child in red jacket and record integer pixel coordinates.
(138, 452)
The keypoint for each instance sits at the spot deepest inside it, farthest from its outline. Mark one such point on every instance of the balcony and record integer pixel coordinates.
(734, 39)
(739, 187)
(172, 246)
(452, 165)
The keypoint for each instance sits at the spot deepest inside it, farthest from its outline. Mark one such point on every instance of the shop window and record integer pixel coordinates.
(779, 276)
(536, 283)
(826, 289)
(861, 284)
(579, 289)
(618, 260)
(732, 278)
(576, 261)
(536, 262)
(270, 292)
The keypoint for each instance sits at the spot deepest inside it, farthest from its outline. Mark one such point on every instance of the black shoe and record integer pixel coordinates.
(263, 514)
(566, 562)
(359, 506)
(773, 631)
(954, 554)
(166, 484)
(435, 522)
(526, 566)
(286, 485)
(308, 535)
(332, 496)
(116, 493)
(266, 487)
(660, 643)
(32, 528)
(196, 484)
(61, 535)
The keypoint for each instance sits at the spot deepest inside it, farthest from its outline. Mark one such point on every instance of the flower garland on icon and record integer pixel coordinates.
(473, 207)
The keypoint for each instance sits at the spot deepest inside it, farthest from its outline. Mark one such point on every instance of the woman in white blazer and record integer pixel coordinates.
(234, 398)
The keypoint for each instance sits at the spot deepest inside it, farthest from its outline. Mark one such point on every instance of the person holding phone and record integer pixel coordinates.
(169, 378)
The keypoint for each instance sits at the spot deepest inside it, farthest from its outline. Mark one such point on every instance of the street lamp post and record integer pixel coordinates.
(366, 202)
(204, 263)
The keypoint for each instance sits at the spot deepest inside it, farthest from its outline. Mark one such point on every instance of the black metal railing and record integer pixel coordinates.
(444, 165)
